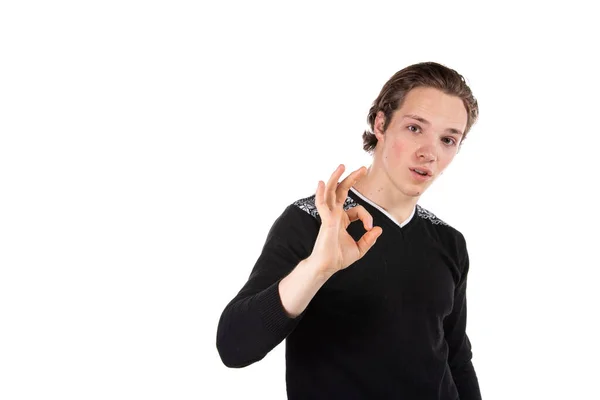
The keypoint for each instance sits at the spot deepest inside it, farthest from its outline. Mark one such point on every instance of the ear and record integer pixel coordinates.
(378, 125)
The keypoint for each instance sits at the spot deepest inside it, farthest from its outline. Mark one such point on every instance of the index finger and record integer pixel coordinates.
(342, 189)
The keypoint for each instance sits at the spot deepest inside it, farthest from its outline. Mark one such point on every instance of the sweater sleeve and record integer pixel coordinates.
(459, 346)
(254, 322)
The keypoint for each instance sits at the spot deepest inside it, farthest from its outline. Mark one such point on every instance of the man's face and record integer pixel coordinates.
(424, 134)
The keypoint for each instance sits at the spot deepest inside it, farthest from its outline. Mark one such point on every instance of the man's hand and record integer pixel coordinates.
(334, 248)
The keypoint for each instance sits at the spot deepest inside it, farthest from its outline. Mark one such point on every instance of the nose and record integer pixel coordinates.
(427, 153)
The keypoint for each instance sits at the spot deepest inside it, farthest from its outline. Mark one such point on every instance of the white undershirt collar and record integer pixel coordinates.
(401, 225)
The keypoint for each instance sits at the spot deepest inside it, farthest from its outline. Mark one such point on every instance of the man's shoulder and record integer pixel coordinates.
(430, 217)
(308, 205)
(445, 234)
(436, 222)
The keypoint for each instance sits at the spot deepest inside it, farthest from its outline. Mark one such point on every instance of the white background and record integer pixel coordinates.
(147, 147)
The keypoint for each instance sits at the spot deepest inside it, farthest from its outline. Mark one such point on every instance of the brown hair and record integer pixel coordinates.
(425, 74)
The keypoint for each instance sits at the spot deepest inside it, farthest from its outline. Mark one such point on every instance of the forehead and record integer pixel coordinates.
(441, 109)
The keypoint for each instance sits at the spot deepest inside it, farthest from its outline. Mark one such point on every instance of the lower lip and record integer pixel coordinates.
(419, 177)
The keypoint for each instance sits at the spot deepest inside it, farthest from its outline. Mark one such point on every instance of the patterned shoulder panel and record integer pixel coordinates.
(308, 205)
(426, 214)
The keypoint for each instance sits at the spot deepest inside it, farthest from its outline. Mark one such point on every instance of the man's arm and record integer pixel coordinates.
(270, 306)
(459, 346)
(283, 281)
(256, 320)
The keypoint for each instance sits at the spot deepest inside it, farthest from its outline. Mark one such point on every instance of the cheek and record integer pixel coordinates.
(447, 160)
(398, 155)
(397, 150)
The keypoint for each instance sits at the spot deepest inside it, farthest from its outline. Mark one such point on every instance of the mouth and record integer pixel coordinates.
(419, 174)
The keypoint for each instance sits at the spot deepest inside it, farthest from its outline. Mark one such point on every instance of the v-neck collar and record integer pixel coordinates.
(384, 212)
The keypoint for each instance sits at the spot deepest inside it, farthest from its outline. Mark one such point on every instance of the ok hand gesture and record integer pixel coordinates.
(334, 248)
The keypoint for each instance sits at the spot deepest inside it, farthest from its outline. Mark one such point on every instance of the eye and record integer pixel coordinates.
(452, 141)
(413, 126)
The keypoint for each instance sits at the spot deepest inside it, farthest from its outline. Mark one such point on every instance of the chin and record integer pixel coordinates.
(411, 190)
(415, 193)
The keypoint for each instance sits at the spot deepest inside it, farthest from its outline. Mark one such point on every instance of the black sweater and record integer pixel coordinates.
(390, 326)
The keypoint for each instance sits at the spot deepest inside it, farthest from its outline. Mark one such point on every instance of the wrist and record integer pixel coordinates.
(317, 269)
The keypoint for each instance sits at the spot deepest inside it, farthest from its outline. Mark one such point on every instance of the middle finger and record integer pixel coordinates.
(331, 186)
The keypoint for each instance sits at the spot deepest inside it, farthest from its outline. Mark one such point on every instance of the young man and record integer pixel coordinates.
(367, 287)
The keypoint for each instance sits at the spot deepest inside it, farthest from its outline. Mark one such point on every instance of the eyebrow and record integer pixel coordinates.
(425, 122)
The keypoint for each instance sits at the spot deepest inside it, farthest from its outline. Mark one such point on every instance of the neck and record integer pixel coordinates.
(377, 187)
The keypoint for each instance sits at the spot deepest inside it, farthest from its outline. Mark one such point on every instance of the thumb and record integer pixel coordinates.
(368, 240)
